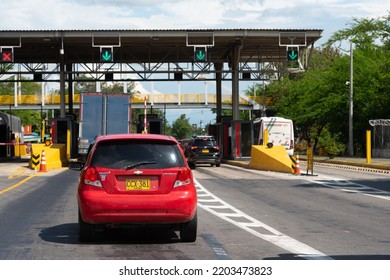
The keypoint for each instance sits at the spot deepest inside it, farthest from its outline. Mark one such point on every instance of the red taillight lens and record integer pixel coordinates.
(184, 177)
(91, 177)
(193, 148)
(216, 148)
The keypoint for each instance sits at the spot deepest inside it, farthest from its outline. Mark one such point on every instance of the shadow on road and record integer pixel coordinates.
(68, 234)
(63, 234)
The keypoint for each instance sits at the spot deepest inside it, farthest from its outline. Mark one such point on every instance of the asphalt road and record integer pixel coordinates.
(243, 214)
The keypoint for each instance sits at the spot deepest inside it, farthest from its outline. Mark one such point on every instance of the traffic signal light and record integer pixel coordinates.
(200, 54)
(292, 54)
(7, 55)
(106, 54)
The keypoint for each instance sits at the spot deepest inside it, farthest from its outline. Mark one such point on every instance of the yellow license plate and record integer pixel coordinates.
(138, 185)
(205, 151)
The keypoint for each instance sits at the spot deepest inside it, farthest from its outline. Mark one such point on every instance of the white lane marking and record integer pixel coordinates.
(227, 212)
(348, 186)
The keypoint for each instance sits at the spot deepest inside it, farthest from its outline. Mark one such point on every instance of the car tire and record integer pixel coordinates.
(192, 165)
(218, 165)
(86, 231)
(188, 231)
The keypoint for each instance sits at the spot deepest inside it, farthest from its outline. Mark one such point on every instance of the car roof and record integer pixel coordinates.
(136, 136)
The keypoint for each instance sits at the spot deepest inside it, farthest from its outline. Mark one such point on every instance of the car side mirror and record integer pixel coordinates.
(192, 165)
(75, 165)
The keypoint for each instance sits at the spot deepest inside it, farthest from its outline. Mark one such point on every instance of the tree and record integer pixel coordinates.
(28, 117)
(364, 32)
(181, 128)
(371, 38)
(318, 99)
(261, 95)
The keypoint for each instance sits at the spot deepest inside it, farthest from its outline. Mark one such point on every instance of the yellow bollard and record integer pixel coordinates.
(368, 146)
(310, 160)
(265, 142)
(17, 147)
(68, 144)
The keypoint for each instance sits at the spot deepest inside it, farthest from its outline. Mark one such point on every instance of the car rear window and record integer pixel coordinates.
(137, 154)
(204, 142)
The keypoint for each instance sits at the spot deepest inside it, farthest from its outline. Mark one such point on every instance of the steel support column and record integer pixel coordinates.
(70, 87)
(235, 82)
(218, 78)
(62, 88)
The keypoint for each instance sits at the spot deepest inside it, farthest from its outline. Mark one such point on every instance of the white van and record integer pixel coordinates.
(280, 132)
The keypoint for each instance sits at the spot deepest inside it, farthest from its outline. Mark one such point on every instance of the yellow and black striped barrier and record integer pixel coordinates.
(35, 160)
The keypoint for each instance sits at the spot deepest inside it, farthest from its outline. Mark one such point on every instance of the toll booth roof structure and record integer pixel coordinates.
(218, 55)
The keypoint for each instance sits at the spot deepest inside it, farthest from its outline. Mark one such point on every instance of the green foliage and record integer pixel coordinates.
(364, 32)
(181, 128)
(318, 99)
(28, 117)
(330, 143)
(8, 88)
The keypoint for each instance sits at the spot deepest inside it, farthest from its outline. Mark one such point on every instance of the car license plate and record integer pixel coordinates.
(138, 185)
(205, 151)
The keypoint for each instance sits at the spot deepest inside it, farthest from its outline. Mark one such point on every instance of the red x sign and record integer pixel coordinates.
(6, 56)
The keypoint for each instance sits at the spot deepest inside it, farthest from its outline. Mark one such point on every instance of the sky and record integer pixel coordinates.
(328, 15)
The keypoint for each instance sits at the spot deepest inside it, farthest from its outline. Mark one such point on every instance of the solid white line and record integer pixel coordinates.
(275, 237)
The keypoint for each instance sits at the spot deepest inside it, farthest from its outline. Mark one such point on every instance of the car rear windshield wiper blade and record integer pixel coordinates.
(131, 166)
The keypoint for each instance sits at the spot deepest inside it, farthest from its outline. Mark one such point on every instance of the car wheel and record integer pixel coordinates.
(188, 230)
(192, 165)
(86, 231)
(212, 164)
(218, 165)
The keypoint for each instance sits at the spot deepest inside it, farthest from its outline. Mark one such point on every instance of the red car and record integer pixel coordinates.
(136, 179)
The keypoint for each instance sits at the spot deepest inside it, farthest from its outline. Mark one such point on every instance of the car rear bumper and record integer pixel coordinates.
(98, 207)
(208, 159)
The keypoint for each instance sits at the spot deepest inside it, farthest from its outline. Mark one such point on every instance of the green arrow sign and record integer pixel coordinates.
(106, 55)
(200, 55)
(292, 55)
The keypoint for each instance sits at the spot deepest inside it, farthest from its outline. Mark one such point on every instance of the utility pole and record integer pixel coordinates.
(201, 122)
(350, 142)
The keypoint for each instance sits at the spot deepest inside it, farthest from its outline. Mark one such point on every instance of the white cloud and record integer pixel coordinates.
(139, 88)
(153, 14)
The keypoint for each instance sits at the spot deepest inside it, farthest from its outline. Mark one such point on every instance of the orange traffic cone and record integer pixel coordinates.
(297, 170)
(43, 162)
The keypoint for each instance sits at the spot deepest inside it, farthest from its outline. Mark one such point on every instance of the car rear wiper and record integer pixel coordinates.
(131, 166)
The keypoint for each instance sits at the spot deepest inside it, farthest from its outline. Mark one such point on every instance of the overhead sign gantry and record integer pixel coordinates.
(64, 56)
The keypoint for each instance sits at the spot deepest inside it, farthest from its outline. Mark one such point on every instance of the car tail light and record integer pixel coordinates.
(216, 148)
(291, 144)
(183, 178)
(91, 177)
(194, 148)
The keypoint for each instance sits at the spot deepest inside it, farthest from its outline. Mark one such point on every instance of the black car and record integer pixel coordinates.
(203, 149)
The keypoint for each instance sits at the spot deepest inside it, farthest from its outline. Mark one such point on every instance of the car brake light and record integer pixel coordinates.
(91, 177)
(216, 148)
(291, 144)
(183, 178)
